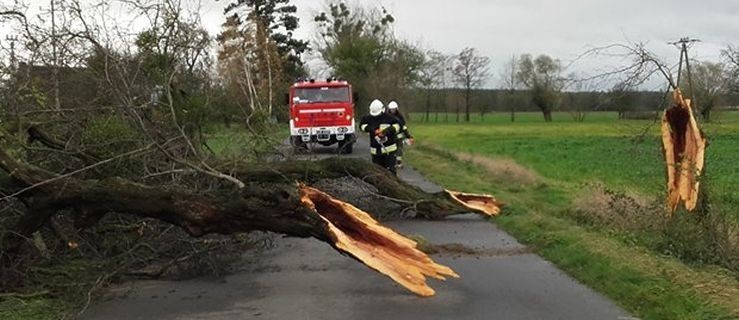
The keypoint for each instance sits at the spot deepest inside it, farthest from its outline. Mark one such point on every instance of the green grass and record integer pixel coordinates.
(53, 291)
(29, 309)
(621, 153)
(237, 143)
(608, 265)
(567, 155)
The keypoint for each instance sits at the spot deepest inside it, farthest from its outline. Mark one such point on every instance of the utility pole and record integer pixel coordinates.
(683, 45)
(12, 40)
(54, 57)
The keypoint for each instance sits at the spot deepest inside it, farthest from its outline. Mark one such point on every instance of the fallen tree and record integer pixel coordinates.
(271, 201)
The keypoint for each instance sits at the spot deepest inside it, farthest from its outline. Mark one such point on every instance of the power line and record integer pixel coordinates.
(684, 44)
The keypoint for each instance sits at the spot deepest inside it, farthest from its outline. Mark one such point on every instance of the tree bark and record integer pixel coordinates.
(272, 193)
(513, 114)
(427, 206)
(467, 105)
(547, 115)
(428, 104)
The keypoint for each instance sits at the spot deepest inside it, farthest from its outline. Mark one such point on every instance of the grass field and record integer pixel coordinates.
(624, 154)
(656, 269)
(542, 171)
(237, 143)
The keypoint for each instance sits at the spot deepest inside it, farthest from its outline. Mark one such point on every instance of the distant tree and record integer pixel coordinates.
(710, 85)
(584, 95)
(250, 67)
(731, 56)
(279, 19)
(470, 71)
(175, 44)
(173, 56)
(622, 98)
(510, 83)
(358, 44)
(543, 77)
(432, 75)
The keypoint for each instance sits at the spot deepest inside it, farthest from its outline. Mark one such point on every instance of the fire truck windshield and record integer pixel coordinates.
(321, 94)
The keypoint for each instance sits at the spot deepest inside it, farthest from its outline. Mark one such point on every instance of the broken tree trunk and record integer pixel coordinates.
(428, 206)
(482, 203)
(378, 247)
(684, 150)
(272, 201)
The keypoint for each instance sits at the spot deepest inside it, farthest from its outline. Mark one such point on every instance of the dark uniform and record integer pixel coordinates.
(402, 135)
(383, 151)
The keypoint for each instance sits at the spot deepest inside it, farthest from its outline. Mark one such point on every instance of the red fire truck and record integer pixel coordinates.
(322, 112)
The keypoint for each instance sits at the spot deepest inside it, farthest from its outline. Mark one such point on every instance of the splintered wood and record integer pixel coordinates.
(355, 232)
(479, 203)
(684, 148)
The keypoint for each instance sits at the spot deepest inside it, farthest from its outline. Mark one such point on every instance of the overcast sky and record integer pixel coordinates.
(562, 28)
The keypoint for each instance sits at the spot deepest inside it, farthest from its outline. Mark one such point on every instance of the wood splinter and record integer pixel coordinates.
(356, 233)
(684, 150)
(479, 203)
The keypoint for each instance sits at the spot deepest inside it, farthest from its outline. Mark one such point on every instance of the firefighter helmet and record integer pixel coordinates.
(392, 105)
(376, 107)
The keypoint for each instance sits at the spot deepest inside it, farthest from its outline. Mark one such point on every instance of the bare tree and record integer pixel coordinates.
(432, 76)
(510, 83)
(731, 56)
(710, 85)
(621, 97)
(250, 66)
(543, 77)
(584, 95)
(470, 71)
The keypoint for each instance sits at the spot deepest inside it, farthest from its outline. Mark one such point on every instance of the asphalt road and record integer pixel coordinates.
(306, 279)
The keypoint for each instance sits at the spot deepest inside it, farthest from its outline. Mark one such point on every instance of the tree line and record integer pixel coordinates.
(257, 58)
(448, 104)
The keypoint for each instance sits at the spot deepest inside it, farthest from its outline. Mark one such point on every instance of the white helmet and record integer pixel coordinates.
(376, 107)
(392, 105)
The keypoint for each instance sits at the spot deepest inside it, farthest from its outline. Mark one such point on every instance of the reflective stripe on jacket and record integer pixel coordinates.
(390, 128)
(387, 150)
(403, 133)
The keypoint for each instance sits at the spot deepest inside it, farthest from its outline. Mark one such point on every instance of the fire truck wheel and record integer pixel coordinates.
(298, 145)
(346, 147)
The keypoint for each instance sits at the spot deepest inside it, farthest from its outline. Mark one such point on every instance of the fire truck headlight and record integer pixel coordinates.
(296, 119)
(343, 129)
(348, 117)
(303, 131)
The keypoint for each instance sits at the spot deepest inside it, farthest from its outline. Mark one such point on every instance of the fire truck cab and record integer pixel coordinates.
(322, 112)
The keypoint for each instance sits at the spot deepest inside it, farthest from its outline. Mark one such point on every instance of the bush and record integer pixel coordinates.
(707, 236)
(641, 115)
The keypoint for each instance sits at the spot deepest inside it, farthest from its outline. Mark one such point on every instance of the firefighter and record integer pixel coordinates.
(404, 136)
(383, 129)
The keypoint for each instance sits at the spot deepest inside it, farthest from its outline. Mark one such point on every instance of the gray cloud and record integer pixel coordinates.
(562, 28)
